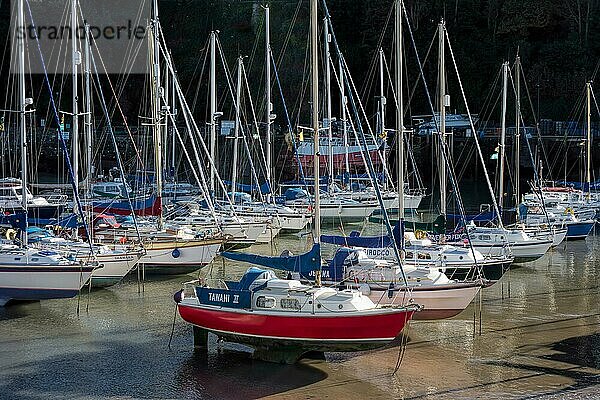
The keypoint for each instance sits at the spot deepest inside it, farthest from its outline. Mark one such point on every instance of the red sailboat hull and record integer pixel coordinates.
(356, 330)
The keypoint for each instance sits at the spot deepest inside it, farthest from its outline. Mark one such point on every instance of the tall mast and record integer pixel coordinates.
(382, 102)
(442, 105)
(238, 97)
(381, 93)
(343, 102)
(213, 106)
(88, 119)
(315, 119)
(173, 111)
(75, 61)
(328, 105)
(156, 120)
(165, 122)
(269, 108)
(518, 131)
(399, 114)
(88, 107)
(502, 137)
(588, 87)
(22, 109)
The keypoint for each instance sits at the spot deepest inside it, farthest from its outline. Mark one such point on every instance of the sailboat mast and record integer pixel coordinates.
(156, 110)
(328, 105)
(88, 107)
(22, 107)
(213, 106)
(517, 144)
(382, 102)
(588, 177)
(502, 137)
(173, 111)
(75, 61)
(88, 121)
(343, 102)
(165, 122)
(269, 107)
(399, 113)
(315, 117)
(442, 105)
(381, 94)
(238, 97)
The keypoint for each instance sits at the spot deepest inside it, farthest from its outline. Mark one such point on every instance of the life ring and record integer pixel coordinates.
(420, 235)
(122, 240)
(10, 234)
(569, 210)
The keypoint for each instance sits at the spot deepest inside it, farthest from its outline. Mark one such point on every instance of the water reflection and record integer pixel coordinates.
(239, 376)
(540, 336)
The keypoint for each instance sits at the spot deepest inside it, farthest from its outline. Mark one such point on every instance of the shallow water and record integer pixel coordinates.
(540, 338)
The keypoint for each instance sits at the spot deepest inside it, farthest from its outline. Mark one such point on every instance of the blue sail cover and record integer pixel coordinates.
(303, 263)
(69, 222)
(369, 242)
(17, 221)
(264, 188)
(481, 217)
(580, 185)
(355, 240)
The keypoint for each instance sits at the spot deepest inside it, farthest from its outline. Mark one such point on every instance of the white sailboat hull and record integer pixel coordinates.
(440, 302)
(40, 282)
(268, 234)
(112, 268)
(522, 252)
(178, 257)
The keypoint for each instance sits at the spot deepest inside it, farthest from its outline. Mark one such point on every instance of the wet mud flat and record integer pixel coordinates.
(540, 338)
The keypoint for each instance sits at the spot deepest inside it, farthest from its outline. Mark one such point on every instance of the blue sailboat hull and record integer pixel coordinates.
(579, 230)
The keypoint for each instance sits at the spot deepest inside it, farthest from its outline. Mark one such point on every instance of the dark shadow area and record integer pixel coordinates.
(579, 350)
(542, 323)
(234, 374)
(150, 370)
(581, 379)
(14, 310)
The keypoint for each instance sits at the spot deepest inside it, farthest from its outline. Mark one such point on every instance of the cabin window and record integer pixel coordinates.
(291, 304)
(34, 259)
(265, 302)
(17, 258)
(409, 255)
(424, 256)
(485, 237)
